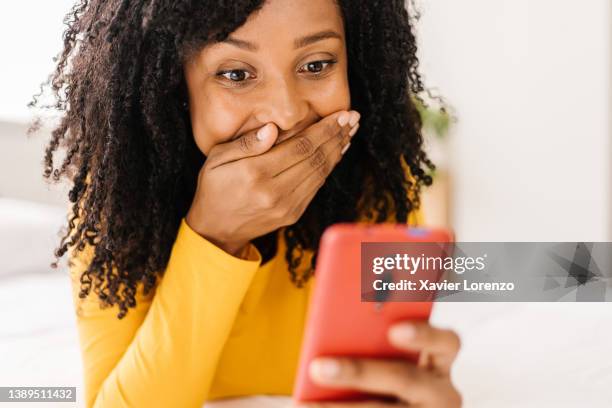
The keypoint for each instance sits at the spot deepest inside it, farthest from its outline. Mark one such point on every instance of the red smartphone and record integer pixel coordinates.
(338, 322)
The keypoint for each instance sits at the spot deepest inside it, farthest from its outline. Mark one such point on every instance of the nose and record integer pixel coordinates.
(282, 104)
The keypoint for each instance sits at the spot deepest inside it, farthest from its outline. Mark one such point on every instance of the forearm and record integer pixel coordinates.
(172, 358)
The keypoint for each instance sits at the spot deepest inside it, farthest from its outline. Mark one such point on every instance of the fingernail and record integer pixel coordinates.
(263, 133)
(403, 332)
(325, 368)
(344, 118)
(354, 118)
(345, 148)
(354, 130)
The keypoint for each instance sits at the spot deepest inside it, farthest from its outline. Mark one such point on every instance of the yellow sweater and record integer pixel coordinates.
(216, 326)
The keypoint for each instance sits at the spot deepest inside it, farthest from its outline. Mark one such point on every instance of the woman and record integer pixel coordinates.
(208, 145)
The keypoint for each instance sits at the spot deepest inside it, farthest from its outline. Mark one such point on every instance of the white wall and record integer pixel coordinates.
(530, 80)
(31, 36)
(31, 33)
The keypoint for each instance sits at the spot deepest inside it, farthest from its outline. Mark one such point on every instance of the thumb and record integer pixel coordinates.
(252, 143)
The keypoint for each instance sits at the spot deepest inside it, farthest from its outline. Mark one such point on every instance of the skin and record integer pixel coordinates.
(425, 385)
(283, 75)
(285, 68)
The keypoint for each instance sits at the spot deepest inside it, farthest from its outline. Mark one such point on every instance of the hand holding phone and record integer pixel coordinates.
(339, 324)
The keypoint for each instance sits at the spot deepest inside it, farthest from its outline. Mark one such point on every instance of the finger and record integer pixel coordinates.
(252, 143)
(305, 179)
(303, 195)
(303, 145)
(352, 404)
(439, 346)
(314, 170)
(389, 377)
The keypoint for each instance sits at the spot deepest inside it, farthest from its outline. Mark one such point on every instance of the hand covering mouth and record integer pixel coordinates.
(286, 135)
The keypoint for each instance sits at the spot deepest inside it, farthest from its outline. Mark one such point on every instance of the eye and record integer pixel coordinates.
(236, 75)
(316, 67)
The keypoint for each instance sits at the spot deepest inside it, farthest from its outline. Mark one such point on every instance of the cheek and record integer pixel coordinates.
(216, 117)
(330, 97)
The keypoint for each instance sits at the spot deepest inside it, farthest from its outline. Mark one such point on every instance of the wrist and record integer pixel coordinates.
(234, 248)
(237, 250)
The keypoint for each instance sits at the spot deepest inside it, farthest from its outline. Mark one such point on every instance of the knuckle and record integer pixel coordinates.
(354, 368)
(303, 146)
(281, 212)
(245, 143)
(323, 171)
(249, 175)
(342, 136)
(267, 199)
(317, 159)
(331, 128)
(338, 152)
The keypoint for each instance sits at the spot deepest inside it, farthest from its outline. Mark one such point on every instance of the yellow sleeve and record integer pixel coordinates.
(164, 352)
(416, 218)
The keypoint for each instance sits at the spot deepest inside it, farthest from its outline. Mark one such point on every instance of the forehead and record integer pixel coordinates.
(285, 20)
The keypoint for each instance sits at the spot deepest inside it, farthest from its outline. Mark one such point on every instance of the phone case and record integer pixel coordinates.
(338, 322)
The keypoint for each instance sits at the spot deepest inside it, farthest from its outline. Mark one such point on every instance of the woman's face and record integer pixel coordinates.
(286, 65)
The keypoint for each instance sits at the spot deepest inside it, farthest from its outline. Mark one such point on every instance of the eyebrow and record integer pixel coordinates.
(313, 38)
(298, 43)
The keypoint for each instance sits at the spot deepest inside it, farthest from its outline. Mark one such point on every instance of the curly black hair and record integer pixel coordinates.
(131, 156)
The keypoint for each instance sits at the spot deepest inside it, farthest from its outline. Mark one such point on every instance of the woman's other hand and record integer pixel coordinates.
(250, 186)
(424, 385)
